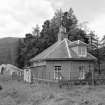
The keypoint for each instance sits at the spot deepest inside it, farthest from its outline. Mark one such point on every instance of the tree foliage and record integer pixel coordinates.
(39, 40)
(28, 47)
(36, 31)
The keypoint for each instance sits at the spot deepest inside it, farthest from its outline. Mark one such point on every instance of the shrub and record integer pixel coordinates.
(1, 87)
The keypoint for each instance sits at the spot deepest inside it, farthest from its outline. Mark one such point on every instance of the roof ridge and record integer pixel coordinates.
(54, 48)
(67, 48)
(78, 41)
(81, 41)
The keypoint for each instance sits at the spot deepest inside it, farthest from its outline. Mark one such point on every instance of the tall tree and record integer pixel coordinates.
(25, 50)
(103, 41)
(94, 48)
(93, 40)
(36, 31)
(102, 49)
(20, 53)
(69, 20)
(46, 35)
(38, 41)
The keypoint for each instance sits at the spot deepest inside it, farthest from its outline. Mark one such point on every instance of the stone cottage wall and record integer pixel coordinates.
(65, 68)
(70, 69)
(39, 72)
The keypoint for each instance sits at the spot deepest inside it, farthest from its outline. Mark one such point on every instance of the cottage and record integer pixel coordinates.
(8, 69)
(63, 60)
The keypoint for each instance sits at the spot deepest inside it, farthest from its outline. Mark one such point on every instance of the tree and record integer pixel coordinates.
(57, 19)
(26, 50)
(20, 57)
(69, 20)
(39, 40)
(102, 49)
(36, 31)
(93, 40)
(46, 35)
(94, 48)
(103, 41)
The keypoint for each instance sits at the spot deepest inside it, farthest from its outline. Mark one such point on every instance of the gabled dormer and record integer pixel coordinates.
(79, 47)
(82, 51)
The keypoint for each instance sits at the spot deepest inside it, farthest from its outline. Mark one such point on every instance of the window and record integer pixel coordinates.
(57, 73)
(82, 51)
(82, 72)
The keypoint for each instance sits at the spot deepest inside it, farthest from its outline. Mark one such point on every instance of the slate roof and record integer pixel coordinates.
(61, 50)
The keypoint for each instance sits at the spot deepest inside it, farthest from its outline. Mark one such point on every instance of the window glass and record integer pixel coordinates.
(82, 51)
(82, 71)
(57, 73)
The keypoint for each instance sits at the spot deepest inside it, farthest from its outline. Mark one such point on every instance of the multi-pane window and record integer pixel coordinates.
(82, 51)
(57, 73)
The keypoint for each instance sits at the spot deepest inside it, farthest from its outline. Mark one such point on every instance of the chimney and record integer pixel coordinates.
(62, 33)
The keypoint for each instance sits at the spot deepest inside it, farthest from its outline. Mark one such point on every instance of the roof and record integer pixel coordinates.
(78, 42)
(62, 50)
(12, 67)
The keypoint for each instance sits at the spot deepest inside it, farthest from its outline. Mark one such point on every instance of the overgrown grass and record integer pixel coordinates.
(20, 93)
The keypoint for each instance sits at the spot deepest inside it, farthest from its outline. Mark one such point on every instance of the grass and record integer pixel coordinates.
(20, 93)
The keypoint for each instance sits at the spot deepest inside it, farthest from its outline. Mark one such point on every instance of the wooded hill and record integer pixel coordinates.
(8, 50)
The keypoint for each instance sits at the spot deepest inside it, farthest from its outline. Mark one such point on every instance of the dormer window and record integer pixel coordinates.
(82, 51)
(79, 48)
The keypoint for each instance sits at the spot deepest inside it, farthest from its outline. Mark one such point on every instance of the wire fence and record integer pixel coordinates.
(95, 80)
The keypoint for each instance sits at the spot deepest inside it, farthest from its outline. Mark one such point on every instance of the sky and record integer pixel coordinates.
(18, 17)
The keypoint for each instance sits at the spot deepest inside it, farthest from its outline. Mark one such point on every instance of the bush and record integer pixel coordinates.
(1, 87)
(88, 76)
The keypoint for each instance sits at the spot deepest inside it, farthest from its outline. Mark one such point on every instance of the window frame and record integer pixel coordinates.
(57, 72)
(82, 51)
(82, 71)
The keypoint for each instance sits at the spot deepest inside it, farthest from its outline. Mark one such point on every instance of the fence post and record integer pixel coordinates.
(70, 80)
(93, 76)
(49, 75)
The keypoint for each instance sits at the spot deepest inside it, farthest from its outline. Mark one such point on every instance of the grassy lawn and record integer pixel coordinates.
(20, 93)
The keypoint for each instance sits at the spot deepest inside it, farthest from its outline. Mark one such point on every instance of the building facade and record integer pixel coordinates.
(63, 60)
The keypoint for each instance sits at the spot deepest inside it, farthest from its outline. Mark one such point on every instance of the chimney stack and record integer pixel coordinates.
(62, 33)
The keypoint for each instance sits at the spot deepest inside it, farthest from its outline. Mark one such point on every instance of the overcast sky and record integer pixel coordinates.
(17, 17)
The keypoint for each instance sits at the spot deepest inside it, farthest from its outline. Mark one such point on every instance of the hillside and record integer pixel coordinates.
(8, 50)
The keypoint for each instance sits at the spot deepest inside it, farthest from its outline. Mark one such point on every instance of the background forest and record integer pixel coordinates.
(42, 37)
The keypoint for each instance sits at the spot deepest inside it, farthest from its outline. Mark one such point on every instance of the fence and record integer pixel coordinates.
(18, 77)
(96, 79)
(64, 82)
(47, 82)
